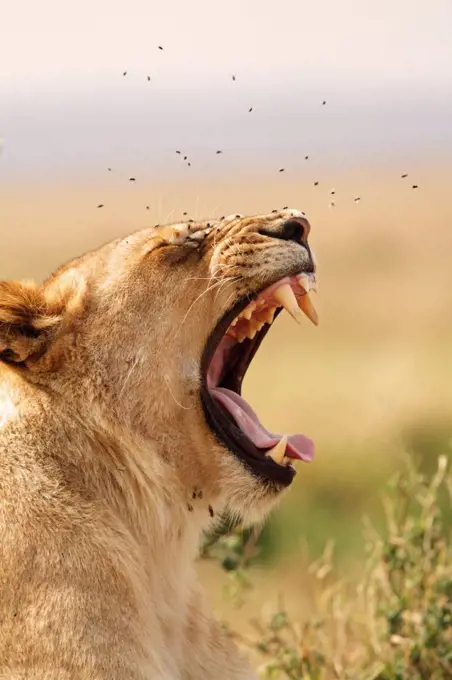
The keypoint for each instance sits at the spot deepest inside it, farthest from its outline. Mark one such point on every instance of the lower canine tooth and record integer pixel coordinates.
(286, 298)
(278, 451)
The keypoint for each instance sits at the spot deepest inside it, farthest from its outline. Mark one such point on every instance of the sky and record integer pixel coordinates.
(50, 41)
(384, 67)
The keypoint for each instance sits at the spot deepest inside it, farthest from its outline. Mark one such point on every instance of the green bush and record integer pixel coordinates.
(396, 624)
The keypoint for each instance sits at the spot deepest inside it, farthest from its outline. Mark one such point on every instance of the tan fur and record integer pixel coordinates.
(102, 442)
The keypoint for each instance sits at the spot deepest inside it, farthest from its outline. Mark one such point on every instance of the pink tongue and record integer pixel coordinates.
(298, 446)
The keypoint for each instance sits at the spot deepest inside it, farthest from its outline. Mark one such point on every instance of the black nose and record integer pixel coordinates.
(296, 229)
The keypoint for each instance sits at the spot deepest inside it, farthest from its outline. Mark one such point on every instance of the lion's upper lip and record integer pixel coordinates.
(241, 336)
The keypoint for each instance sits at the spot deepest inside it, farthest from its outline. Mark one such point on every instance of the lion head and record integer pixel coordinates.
(148, 339)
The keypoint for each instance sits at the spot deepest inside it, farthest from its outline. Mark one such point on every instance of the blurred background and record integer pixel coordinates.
(312, 105)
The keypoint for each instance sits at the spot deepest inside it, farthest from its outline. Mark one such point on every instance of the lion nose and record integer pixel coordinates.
(296, 229)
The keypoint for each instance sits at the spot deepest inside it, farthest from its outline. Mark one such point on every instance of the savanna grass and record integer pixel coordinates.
(394, 624)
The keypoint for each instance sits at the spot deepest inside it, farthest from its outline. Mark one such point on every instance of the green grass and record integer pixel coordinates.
(394, 623)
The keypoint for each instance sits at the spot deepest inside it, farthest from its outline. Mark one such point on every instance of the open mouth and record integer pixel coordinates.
(227, 356)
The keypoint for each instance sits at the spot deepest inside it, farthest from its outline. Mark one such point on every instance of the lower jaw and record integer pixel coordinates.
(256, 463)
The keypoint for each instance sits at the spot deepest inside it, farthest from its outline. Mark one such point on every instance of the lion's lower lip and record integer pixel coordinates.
(298, 447)
(230, 436)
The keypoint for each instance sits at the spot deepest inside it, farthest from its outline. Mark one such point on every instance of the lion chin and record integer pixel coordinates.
(124, 434)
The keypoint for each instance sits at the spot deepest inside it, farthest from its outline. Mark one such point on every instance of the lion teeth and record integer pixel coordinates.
(304, 284)
(278, 451)
(260, 311)
(248, 311)
(249, 330)
(242, 335)
(253, 327)
(307, 282)
(270, 315)
(308, 308)
(286, 298)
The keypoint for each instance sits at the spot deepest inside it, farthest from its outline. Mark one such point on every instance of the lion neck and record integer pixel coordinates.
(159, 502)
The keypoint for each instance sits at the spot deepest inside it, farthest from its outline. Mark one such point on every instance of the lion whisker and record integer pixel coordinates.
(207, 290)
(129, 373)
(186, 408)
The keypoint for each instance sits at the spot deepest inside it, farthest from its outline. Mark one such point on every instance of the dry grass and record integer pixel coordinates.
(393, 622)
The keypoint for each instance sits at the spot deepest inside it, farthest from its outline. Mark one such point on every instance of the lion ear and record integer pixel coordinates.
(28, 321)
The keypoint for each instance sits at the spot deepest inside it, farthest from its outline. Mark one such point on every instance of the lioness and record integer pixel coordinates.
(123, 432)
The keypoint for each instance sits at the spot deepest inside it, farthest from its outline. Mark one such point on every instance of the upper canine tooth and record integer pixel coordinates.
(286, 298)
(278, 451)
(306, 305)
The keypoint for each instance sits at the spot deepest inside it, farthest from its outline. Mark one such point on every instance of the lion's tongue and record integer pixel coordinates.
(298, 446)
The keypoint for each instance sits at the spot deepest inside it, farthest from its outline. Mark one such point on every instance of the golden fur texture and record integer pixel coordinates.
(103, 440)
